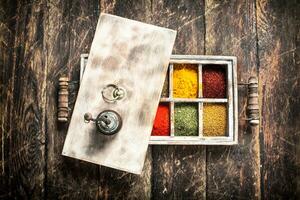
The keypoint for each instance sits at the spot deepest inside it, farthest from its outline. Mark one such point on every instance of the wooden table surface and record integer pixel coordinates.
(40, 40)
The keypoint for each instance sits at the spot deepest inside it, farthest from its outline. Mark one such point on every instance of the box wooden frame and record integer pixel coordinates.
(231, 100)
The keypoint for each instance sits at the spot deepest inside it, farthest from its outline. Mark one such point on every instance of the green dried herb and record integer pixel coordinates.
(186, 119)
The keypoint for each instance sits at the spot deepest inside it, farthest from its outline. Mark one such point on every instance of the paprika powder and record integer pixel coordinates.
(161, 125)
(214, 81)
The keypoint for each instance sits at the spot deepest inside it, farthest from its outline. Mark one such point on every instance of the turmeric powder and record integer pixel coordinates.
(214, 119)
(185, 81)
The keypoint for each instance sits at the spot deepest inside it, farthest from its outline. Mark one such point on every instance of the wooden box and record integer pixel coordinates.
(229, 101)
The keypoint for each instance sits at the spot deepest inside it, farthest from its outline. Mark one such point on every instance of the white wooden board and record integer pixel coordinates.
(134, 56)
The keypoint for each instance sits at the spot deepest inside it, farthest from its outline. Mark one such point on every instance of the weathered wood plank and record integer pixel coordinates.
(116, 184)
(234, 172)
(136, 186)
(7, 37)
(68, 32)
(26, 118)
(278, 25)
(179, 171)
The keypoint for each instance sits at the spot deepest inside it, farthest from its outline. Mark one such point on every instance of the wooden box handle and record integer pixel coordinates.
(252, 101)
(63, 99)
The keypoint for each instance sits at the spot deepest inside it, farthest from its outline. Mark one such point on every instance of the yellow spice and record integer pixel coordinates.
(214, 119)
(185, 81)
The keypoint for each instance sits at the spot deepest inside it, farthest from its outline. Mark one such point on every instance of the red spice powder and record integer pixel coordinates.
(214, 81)
(161, 125)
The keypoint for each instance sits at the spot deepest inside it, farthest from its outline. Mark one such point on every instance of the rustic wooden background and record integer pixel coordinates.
(39, 40)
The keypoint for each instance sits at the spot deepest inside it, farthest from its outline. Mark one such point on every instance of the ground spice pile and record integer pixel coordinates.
(186, 120)
(214, 119)
(161, 125)
(185, 81)
(165, 90)
(214, 81)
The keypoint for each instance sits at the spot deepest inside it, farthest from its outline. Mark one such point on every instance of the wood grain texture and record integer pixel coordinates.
(136, 187)
(7, 38)
(278, 27)
(69, 31)
(179, 171)
(234, 172)
(26, 114)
